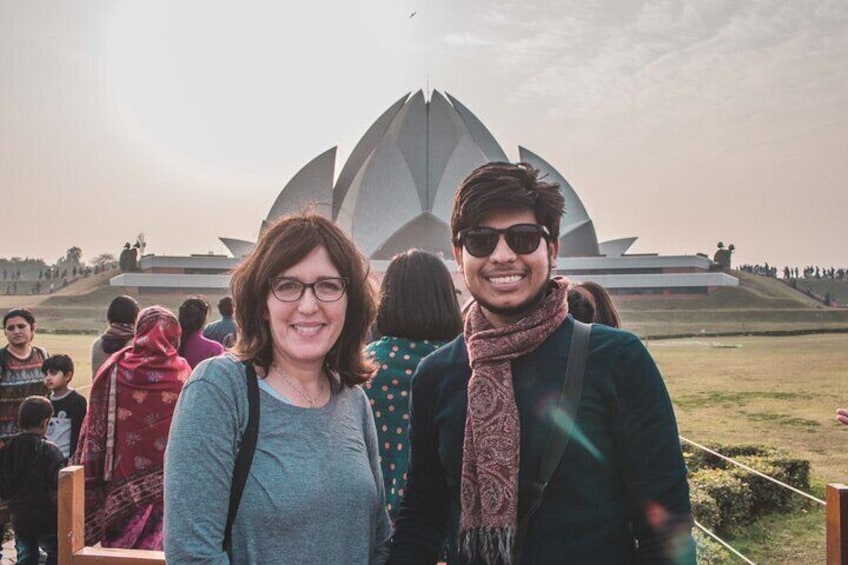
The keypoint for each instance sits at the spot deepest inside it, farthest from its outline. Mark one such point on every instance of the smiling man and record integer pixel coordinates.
(486, 411)
(20, 367)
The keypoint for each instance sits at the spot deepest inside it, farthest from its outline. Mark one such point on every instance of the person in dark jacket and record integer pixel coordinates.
(123, 310)
(29, 481)
(484, 406)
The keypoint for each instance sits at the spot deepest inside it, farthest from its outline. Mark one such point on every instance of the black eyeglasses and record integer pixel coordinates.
(288, 289)
(521, 238)
(12, 327)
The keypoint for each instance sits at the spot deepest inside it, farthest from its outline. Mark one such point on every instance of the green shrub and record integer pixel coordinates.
(725, 496)
(704, 507)
(711, 552)
(767, 496)
(699, 459)
(732, 497)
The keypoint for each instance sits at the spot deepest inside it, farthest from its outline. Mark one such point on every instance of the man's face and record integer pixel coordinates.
(507, 284)
(18, 331)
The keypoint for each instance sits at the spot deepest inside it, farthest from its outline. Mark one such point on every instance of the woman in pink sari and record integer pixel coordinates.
(123, 438)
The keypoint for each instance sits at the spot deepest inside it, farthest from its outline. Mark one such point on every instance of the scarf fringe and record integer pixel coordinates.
(493, 545)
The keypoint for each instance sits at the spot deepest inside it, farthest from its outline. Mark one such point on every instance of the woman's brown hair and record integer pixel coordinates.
(281, 246)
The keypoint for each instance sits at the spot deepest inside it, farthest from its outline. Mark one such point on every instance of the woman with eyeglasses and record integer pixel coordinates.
(314, 492)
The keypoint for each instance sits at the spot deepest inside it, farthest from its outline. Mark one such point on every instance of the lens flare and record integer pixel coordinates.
(563, 421)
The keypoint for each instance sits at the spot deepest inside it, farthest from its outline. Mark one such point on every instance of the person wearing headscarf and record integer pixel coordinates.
(123, 438)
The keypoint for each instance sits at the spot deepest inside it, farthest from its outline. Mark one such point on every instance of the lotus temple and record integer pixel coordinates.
(395, 192)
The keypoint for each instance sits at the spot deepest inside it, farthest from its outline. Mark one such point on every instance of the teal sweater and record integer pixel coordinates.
(619, 495)
(314, 494)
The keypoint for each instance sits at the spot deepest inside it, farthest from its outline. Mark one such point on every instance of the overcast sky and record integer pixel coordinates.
(681, 122)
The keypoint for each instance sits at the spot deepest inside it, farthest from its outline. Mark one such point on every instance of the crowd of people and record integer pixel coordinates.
(788, 272)
(323, 420)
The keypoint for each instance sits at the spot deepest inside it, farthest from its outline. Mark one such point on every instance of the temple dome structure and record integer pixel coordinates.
(395, 191)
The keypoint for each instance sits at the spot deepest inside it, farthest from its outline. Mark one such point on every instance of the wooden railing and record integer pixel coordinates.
(837, 524)
(72, 549)
(71, 530)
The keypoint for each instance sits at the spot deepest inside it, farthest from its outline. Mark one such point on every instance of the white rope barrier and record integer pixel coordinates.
(726, 545)
(758, 473)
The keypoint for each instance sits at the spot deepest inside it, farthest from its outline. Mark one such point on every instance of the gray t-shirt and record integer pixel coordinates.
(314, 493)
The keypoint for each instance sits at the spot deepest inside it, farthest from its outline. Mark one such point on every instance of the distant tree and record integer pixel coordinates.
(73, 255)
(103, 259)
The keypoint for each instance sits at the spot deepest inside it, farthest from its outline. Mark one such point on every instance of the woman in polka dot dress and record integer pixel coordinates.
(418, 312)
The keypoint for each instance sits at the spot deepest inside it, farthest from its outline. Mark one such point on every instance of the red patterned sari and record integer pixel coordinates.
(123, 438)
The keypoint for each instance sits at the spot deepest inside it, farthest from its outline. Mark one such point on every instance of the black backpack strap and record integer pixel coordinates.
(572, 385)
(245, 454)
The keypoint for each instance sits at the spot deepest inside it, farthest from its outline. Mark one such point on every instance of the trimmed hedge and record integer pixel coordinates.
(732, 500)
(711, 552)
(725, 496)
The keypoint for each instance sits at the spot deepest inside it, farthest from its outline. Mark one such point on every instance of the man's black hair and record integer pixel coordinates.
(225, 306)
(496, 186)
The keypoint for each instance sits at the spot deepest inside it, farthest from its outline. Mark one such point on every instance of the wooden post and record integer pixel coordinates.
(71, 524)
(837, 524)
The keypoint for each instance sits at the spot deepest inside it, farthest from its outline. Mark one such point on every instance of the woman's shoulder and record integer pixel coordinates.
(355, 397)
(224, 372)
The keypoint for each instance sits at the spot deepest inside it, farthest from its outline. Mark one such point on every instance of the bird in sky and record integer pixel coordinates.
(412, 14)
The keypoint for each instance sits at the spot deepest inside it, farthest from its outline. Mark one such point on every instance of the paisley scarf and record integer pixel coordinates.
(491, 451)
(116, 337)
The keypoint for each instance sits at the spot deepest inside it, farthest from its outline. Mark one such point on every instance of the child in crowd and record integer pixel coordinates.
(69, 406)
(29, 480)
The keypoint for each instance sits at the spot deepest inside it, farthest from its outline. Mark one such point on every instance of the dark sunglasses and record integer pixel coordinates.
(521, 238)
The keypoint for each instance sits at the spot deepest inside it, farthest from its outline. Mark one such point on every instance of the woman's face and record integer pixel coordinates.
(303, 331)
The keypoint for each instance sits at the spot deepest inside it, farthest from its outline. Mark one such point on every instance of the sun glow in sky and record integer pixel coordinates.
(681, 122)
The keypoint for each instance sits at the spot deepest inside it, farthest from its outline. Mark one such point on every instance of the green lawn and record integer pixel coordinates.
(778, 391)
